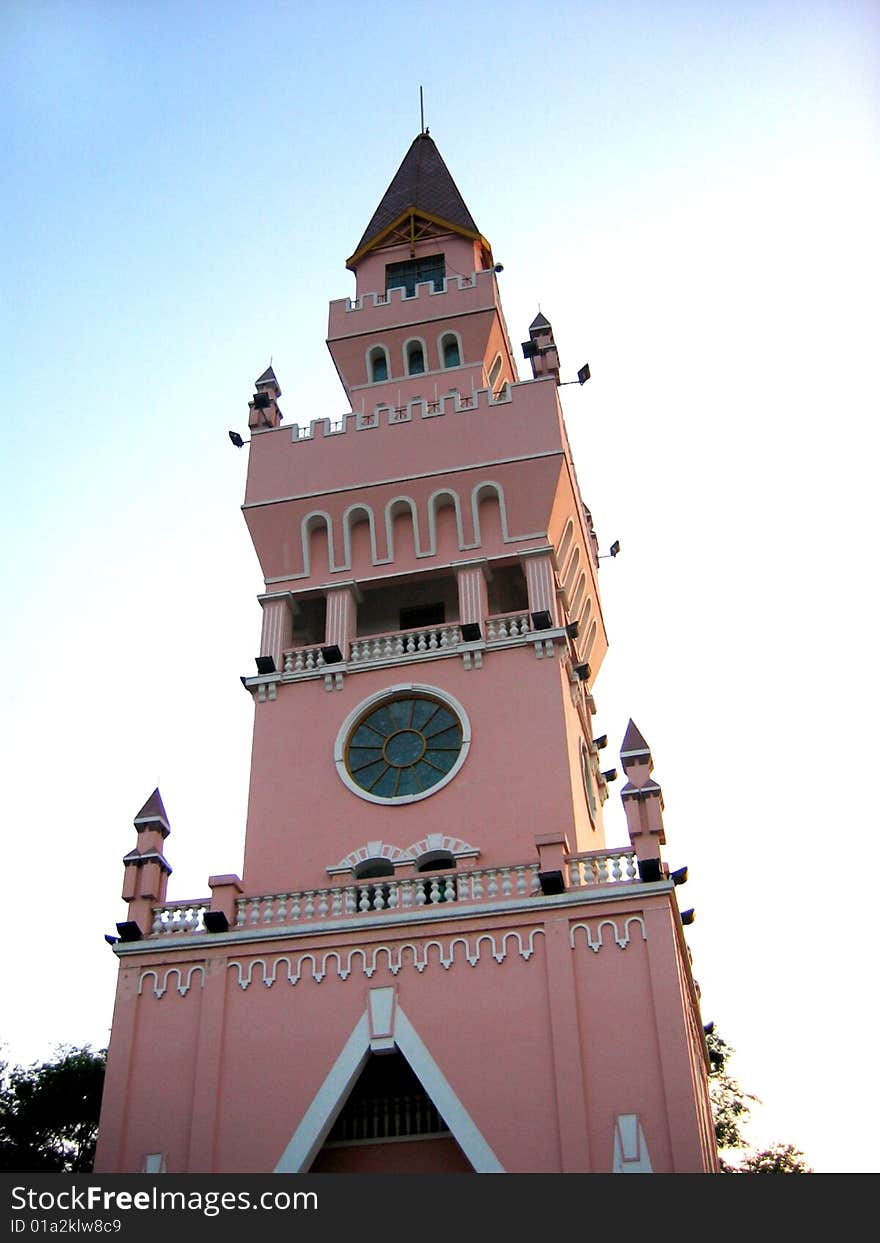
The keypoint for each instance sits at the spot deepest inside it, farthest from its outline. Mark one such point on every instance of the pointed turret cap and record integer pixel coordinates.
(421, 186)
(633, 742)
(153, 812)
(268, 377)
(539, 324)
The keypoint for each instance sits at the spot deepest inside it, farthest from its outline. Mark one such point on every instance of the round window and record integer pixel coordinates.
(402, 745)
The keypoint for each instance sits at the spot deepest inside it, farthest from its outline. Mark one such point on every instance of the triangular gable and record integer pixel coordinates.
(383, 1026)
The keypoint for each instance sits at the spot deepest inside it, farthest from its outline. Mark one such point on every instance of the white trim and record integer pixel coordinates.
(432, 519)
(631, 1154)
(358, 507)
(373, 701)
(306, 537)
(476, 498)
(389, 525)
(307, 1139)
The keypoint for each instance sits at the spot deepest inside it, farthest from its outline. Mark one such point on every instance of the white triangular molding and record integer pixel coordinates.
(395, 1030)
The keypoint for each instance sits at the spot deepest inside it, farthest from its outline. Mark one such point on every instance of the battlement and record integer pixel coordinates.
(459, 294)
(385, 415)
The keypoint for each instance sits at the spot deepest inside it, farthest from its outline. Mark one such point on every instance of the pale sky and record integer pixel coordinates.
(690, 191)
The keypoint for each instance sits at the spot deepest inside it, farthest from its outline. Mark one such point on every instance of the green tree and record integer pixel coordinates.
(732, 1108)
(49, 1112)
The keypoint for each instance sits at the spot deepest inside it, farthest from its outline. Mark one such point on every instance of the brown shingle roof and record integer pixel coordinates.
(423, 183)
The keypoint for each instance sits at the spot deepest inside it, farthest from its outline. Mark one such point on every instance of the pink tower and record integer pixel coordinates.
(432, 961)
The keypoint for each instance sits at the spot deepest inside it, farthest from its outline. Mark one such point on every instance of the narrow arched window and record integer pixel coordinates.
(415, 358)
(378, 364)
(495, 372)
(450, 351)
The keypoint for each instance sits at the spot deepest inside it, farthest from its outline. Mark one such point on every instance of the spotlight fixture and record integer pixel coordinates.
(708, 1028)
(529, 349)
(551, 882)
(542, 620)
(600, 742)
(129, 931)
(266, 664)
(470, 632)
(583, 672)
(584, 374)
(111, 940)
(332, 654)
(236, 439)
(610, 774)
(216, 921)
(650, 870)
(499, 267)
(687, 917)
(572, 629)
(612, 551)
(262, 401)
(679, 877)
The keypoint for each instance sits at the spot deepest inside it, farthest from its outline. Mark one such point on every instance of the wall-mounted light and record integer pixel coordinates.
(332, 654)
(542, 620)
(266, 664)
(470, 632)
(679, 876)
(236, 439)
(687, 917)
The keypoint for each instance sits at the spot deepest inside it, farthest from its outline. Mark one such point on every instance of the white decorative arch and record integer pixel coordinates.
(571, 570)
(578, 594)
(310, 523)
(591, 639)
(383, 1027)
(564, 545)
(393, 509)
(441, 494)
(372, 850)
(479, 492)
(442, 841)
(349, 518)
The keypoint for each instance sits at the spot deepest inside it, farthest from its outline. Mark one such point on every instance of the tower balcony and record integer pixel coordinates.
(397, 647)
(597, 874)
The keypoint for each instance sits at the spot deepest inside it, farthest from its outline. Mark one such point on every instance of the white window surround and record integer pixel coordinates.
(373, 701)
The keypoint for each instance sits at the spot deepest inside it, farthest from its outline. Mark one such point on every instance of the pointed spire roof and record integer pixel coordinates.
(538, 323)
(153, 812)
(268, 377)
(633, 742)
(421, 186)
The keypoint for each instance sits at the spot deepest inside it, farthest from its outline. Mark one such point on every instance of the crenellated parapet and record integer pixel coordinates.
(453, 296)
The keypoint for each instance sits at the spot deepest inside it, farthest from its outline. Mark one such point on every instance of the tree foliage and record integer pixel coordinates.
(732, 1108)
(49, 1112)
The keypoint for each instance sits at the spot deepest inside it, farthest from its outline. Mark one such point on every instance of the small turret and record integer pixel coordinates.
(263, 407)
(146, 869)
(540, 349)
(643, 803)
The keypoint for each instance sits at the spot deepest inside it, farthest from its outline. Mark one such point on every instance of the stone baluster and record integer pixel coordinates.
(323, 904)
(435, 890)
(406, 893)
(449, 889)
(309, 905)
(492, 886)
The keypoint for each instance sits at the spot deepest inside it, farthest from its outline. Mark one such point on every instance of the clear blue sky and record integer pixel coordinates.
(691, 191)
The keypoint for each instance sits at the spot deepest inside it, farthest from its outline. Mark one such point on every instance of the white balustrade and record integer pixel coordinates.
(507, 626)
(303, 659)
(179, 917)
(404, 643)
(601, 867)
(584, 871)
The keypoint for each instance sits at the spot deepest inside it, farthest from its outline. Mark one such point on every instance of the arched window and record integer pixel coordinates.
(495, 372)
(370, 869)
(378, 364)
(435, 861)
(415, 358)
(588, 782)
(449, 350)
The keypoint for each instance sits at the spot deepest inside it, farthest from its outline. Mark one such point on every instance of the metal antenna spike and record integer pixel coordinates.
(422, 107)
